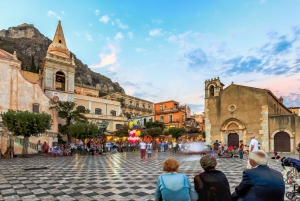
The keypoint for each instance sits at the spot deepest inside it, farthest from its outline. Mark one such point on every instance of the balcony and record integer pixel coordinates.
(171, 110)
(102, 117)
(170, 121)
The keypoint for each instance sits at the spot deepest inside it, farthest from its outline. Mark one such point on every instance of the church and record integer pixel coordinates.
(22, 90)
(236, 112)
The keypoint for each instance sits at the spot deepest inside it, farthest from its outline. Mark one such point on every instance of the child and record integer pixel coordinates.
(211, 152)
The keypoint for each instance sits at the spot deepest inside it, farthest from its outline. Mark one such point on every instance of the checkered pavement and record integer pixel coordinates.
(119, 176)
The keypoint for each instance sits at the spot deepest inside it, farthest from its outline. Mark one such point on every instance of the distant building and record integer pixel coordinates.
(132, 107)
(171, 113)
(295, 110)
(236, 112)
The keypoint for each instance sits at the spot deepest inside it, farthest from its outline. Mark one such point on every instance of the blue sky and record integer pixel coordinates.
(162, 50)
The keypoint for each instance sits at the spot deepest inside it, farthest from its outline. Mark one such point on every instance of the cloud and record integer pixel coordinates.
(143, 95)
(157, 21)
(196, 58)
(130, 35)
(62, 12)
(104, 19)
(119, 24)
(155, 32)
(97, 12)
(147, 39)
(282, 45)
(107, 58)
(262, 1)
(119, 36)
(138, 49)
(53, 14)
(127, 83)
(90, 24)
(86, 34)
(172, 39)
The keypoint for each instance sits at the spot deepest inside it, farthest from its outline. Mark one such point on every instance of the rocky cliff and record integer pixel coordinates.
(31, 47)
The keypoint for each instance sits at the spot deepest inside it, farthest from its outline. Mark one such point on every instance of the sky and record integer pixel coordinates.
(165, 50)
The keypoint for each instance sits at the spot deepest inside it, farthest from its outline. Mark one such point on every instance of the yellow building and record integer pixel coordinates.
(102, 110)
(132, 106)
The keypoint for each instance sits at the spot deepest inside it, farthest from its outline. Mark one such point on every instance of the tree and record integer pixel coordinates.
(32, 67)
(83, 130)
(175, 132)
(66, 110)
(203, 134)
(158, 124)
(25, 123)
(154, 132)
(123, 131)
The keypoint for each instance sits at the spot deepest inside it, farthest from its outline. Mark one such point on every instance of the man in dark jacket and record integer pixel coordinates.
(260, 183)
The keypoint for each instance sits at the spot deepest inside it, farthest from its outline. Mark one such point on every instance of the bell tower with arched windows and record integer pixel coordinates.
(213, 87)
(59, 69)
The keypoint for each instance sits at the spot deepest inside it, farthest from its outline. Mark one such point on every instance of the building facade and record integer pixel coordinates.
(132, 107)
(18, 93)
(171, 113)
(236, 112)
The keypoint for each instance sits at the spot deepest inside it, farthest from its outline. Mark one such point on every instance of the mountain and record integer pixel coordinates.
(31, 47)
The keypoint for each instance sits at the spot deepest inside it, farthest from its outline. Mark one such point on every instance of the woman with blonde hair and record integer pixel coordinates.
(212, 184)
(174, 185)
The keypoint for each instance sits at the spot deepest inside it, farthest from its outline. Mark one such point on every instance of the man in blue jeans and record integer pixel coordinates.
(241, 149)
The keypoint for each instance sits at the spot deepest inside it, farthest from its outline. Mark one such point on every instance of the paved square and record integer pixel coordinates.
(119, 176)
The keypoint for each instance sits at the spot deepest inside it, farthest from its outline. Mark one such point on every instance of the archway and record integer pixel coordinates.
(282, 142)
(233, 139)
(60, 81)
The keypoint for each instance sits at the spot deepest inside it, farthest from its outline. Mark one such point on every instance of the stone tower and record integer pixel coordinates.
(58, 69)
(213, 87)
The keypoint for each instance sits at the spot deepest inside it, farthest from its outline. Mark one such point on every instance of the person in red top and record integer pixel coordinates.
(241, 149)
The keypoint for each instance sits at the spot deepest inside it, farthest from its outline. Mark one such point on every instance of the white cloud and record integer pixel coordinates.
(104, 19)
(113, 23)
(139, 49)
(87, 36)
(158, 21)
(107, 58)
(97, 12)
(63, 12)
(122, 26)
(53, 14)
(172, 39)
(130, 35)
(119, 36)
(262, 1)
(155, 32)
(147, 39)
(90, 24)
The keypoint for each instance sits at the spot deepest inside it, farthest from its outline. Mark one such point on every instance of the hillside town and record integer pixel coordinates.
(76, 119)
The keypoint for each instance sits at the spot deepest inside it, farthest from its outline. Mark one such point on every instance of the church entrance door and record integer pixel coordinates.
(233, 139)
(282, 142)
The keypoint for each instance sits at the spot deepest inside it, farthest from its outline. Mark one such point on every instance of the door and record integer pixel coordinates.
(282, 142)
(233, 139)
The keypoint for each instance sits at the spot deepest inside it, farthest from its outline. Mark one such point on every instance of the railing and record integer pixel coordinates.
(30, 144)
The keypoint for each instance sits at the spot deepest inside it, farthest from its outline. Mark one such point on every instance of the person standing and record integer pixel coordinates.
(216, 148)
(149, 149)
(39, 146)
(260, 183)
(142, 146)
(253, 146)
(175, 146)
(241, 149)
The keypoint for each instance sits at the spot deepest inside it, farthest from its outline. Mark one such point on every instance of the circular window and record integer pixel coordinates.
(232, 108)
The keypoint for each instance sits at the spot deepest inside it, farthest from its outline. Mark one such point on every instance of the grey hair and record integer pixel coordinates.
(259, 157)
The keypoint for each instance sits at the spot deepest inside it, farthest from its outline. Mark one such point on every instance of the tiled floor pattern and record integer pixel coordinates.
(120, 176)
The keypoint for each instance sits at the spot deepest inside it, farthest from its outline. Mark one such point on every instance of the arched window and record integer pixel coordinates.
(98, 111)
(113, 113)
(212, 90)
(60, 81)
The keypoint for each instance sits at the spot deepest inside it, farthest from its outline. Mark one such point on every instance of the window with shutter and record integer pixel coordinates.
(98, 111)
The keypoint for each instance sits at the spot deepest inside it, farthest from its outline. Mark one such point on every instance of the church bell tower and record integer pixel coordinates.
(213, 87)
(58, 69)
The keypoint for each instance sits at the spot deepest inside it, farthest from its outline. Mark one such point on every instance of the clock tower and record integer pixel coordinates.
(58, 69)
